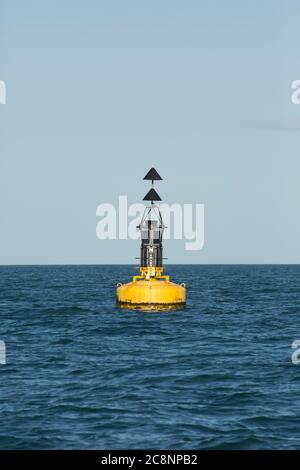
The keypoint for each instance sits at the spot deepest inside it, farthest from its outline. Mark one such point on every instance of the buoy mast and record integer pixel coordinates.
(151, 228)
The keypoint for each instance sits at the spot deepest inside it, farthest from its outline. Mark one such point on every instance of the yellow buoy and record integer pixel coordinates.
(156, 290)
(151, 289)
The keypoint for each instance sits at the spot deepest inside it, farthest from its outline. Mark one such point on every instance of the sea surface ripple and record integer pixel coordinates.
(82, 373)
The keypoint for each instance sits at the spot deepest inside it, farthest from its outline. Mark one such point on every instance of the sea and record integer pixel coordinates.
(82, 373)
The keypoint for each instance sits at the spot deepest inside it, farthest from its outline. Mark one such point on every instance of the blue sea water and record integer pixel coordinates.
(82, 373)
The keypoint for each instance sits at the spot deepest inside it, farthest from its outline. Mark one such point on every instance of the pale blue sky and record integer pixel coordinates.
(99, 91)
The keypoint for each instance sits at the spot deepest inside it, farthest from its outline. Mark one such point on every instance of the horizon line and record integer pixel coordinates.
(133, 264)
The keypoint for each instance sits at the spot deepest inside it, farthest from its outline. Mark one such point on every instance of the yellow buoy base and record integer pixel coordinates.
(151, 292)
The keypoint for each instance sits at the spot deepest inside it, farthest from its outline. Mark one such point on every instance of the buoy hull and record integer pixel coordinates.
(151, 292)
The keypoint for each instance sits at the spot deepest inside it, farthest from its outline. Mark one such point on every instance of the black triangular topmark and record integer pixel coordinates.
(152, 196)
(152, 175)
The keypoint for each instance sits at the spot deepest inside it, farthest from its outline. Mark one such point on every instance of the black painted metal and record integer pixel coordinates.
(152, 196)
(152, 175)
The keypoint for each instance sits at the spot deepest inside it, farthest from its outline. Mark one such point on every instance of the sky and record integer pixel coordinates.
(100, 91)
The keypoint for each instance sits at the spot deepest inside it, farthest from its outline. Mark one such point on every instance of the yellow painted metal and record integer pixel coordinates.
(154, 291)
(149, 271)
